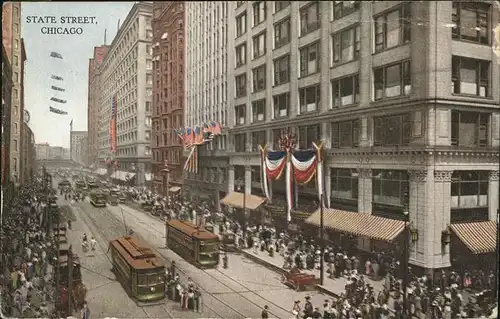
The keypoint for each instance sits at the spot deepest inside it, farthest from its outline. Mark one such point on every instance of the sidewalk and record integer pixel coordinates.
(332, 287)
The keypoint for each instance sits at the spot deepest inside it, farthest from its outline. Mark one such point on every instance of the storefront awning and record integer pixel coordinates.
(174, 189)
(358, 224)
(236, 199)
(479, 237)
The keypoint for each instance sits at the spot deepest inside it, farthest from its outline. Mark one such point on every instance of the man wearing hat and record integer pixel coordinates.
(296, 309)
(308, 307)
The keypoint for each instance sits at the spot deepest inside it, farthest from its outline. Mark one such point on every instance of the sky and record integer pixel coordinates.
(76, 51)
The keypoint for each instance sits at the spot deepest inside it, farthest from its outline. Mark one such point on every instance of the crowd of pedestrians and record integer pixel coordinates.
(25, 282)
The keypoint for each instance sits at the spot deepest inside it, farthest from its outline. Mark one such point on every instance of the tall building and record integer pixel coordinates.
(12, 42)
(168, 81)
(78, 146)
(125, 74)
(208, 92)
(94, 103)
(6, 114)
(409, 115)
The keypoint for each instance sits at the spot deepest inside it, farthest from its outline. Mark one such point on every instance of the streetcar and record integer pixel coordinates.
(98, 199)
(80, 184)
(138, 268)
(92, 184)
(195, 244)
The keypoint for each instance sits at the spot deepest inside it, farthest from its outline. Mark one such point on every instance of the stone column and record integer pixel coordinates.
(365, 190)
(248, 179)
(493, 195)
(230, 179)
(440, 220)
(418, 202)
(217, 199)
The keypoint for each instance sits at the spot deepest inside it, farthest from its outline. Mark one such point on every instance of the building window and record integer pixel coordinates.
(241, 85)
(470, 76)
(345, 134)
(281, 70)
(15, 146)
(259, 110)
(469, 189)
(259, 45)
(16, 60)
(15, 93)
(469, 129)
(259, 12)
(240, 142)
(258, 138)
(278, 133)
(390, 187)
(344, 8)
(282, 33)
(308, 135)
(346, 45)
(240, 112)
(393, 28)
(281, 105)
(241, 24)
(471, 21)
(309, 98)
(16, 44)
(393, 80)
(345, 91)
(309, 18)
(309, 59)
(392, 130)
(16, 28)
(241, 55)
(259, 78)
(344, 183)
(280, 5)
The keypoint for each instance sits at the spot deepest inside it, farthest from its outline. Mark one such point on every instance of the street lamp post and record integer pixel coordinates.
(242, 185)
(322, 243)
(405, 263)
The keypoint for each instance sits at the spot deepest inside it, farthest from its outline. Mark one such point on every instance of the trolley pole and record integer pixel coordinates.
(70, 279)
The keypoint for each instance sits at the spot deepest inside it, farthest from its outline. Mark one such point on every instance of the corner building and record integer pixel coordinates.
(169, 53)
(408, 114)
(209, 93)
(126, 73)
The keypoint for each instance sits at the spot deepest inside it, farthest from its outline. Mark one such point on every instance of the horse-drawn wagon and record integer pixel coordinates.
(298, 280)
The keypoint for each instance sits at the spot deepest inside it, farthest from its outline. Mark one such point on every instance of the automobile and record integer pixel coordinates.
(122, 199)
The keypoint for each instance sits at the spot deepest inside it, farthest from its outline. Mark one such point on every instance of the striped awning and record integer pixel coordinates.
(358, 224)
(479, 237)
(239, 200)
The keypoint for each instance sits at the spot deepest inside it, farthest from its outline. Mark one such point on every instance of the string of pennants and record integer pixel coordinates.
(57, 88)
(193, 137)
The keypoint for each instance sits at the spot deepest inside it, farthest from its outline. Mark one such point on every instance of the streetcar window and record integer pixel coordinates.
(208, 248)
(142, 280)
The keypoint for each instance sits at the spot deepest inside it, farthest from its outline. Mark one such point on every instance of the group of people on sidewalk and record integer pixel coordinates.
(448, 295)
(25, 281)
(186, 294)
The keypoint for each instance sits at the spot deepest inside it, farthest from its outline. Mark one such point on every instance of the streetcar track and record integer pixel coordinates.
(87, 217)
(233, 291)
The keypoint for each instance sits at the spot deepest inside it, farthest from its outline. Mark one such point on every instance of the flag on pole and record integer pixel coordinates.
(71, 125)
(188, 159)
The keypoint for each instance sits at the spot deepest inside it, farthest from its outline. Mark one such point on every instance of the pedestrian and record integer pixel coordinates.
(265, 313)
(93, 243)
(85, 312)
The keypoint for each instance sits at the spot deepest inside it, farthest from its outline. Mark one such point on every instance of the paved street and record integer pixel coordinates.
(238, 292)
